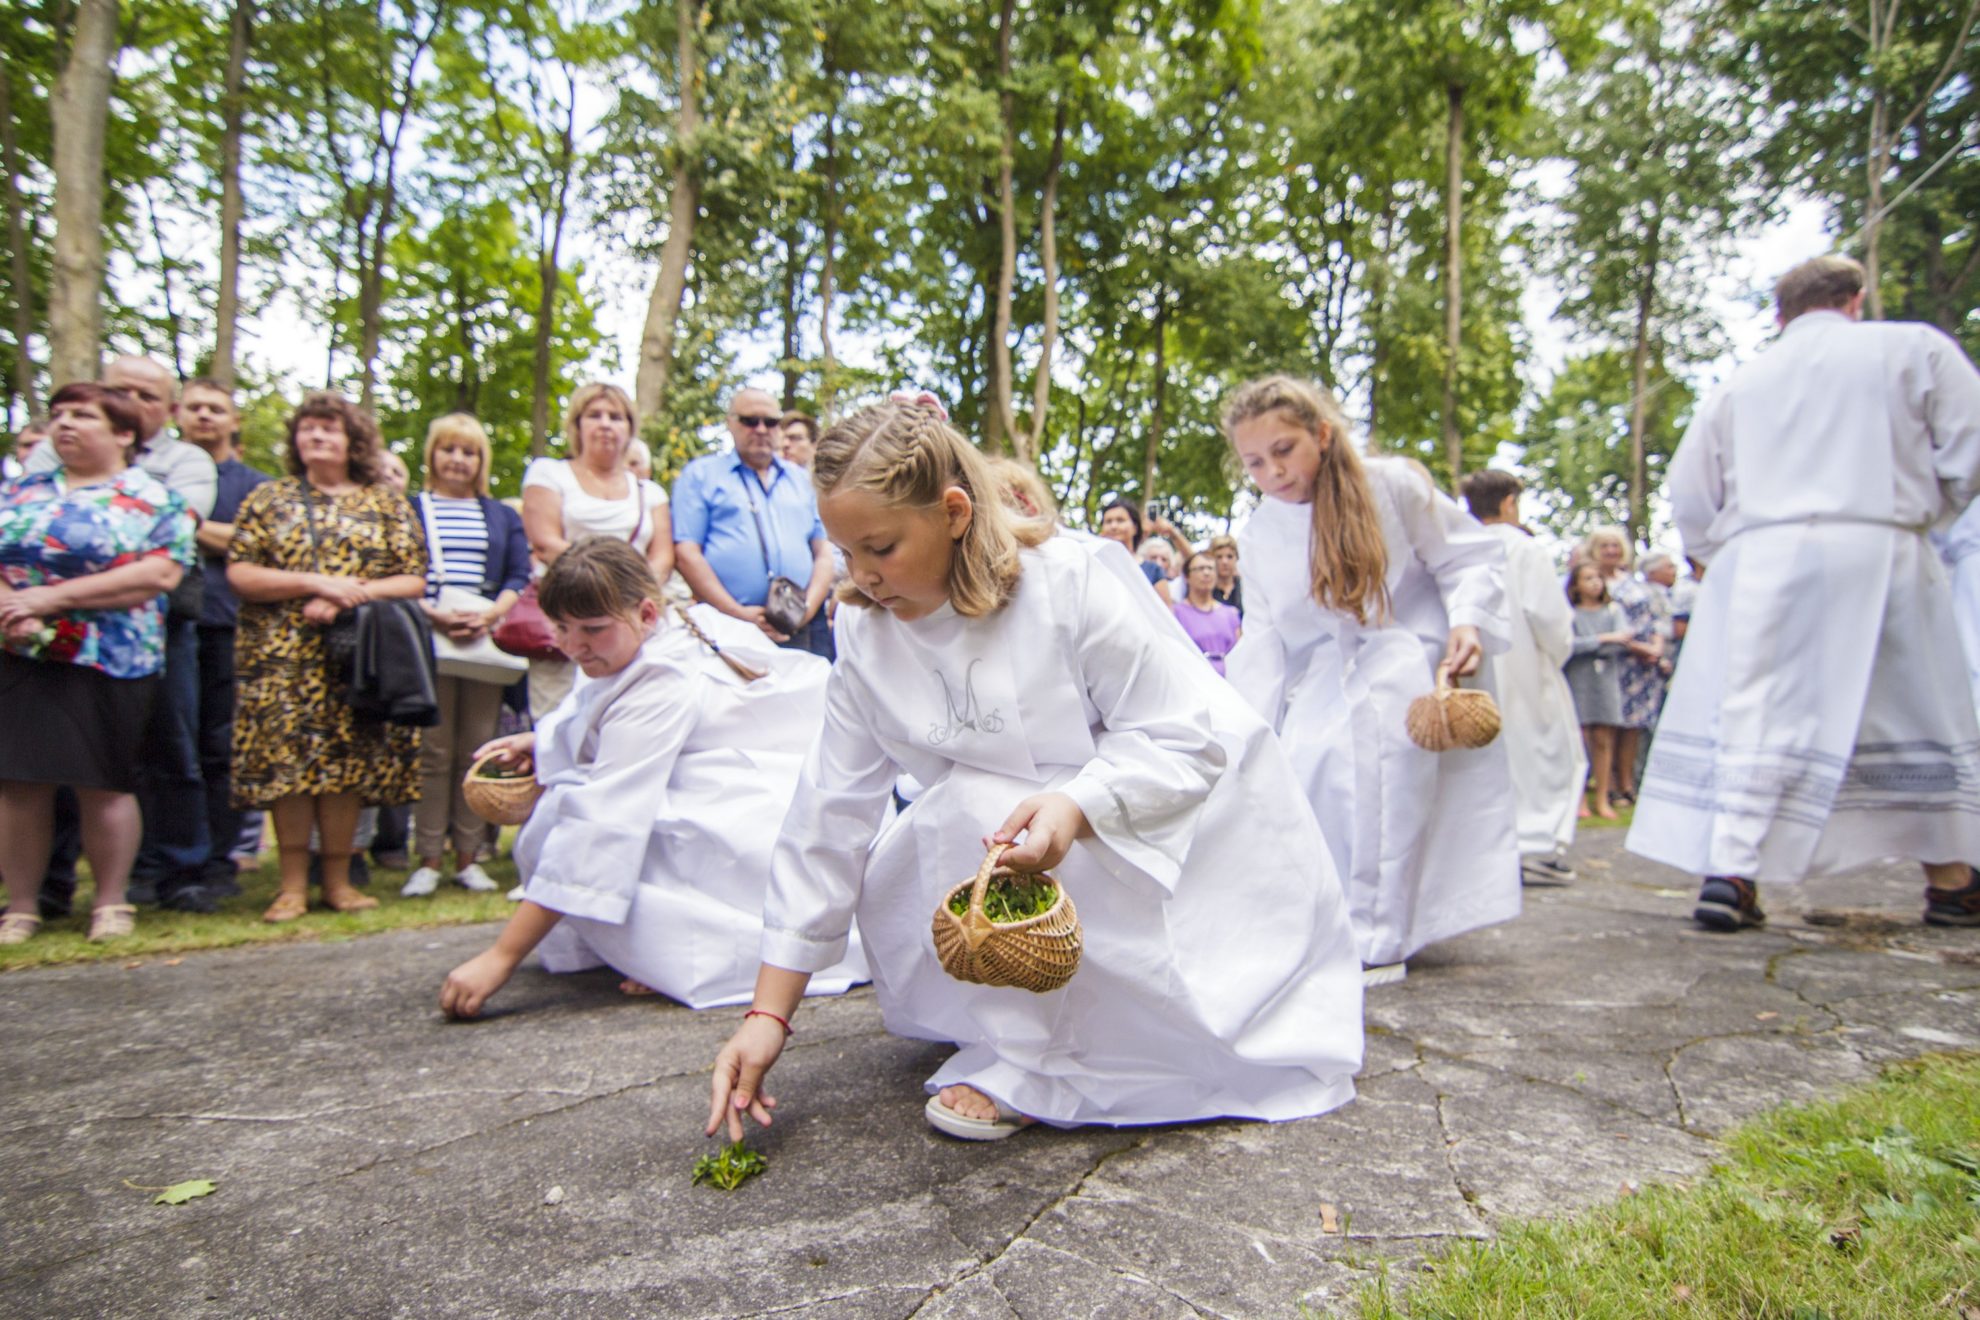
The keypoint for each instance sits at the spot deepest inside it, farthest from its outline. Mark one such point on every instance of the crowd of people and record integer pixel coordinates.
(896, 647)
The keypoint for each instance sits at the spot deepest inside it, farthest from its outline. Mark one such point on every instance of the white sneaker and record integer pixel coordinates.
(473, 877)
(421, 883)
(516, 894)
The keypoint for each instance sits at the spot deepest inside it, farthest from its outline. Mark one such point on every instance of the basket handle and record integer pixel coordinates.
(1445, 683)
(528, 761)
(981, 889)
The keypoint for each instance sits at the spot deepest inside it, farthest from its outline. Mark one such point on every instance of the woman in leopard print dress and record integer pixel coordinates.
(299, 750)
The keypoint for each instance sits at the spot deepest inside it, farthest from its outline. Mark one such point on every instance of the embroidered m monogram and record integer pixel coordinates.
(962, 715)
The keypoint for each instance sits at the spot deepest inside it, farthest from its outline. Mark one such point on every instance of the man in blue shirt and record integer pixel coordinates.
(743, 517)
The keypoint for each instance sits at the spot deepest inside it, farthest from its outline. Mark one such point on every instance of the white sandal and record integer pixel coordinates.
(961, 1126)
(111, 921)
(18, 927)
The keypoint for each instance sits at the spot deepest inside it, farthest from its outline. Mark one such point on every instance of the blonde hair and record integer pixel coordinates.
(587, 395)
(459, 428)
(597, 576)
(1610, 533)
(1350, 558)
(906, 456)
(1221, 541)
(1023, 489)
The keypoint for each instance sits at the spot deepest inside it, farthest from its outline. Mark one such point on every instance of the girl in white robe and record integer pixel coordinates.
(1959, 546)
(649, 850)
(1021, 681)
(1424, 842)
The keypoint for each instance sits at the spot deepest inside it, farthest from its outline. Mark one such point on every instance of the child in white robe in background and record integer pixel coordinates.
(1542, 733)
(1359, 579)
(663, 773)
(1019, 680)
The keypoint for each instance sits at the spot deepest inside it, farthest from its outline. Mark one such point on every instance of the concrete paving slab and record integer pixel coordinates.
(375, 1160)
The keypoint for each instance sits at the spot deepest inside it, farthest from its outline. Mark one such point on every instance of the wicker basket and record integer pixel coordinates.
(500, 801)
(1452, 717)
(1039, 954)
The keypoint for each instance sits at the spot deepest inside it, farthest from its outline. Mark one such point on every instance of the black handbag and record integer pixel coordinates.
(784, 605)
(380, 653)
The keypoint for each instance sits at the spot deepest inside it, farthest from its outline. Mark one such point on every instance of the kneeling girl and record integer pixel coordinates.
(649, 850)
(1012, 674)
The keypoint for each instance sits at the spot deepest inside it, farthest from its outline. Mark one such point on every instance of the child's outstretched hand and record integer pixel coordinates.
(510, 751)
(1049, 822)
(737, 1086)
(468, 986)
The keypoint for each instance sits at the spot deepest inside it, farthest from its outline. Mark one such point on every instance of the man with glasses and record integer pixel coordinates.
(744, 517)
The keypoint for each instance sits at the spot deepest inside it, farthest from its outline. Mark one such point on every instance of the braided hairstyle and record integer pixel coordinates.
(907, 455)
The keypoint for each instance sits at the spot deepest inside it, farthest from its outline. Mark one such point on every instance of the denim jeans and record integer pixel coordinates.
(216, 747)
(170, 792)
(815, 637)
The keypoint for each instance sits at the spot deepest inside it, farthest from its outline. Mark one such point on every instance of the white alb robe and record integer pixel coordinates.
(1959, 546)
(1821, 717)
(663, 784)
(1549, 766)
(1219, 976)
(1423, 841)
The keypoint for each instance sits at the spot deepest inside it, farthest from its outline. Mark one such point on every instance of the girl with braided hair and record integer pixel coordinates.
(1034, 689)
(648, 850)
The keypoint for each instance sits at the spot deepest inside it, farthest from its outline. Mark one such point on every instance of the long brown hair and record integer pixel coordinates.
(907, 455)
(1350, 559)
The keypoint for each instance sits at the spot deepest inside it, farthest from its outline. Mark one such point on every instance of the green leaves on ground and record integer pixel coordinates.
(729, 1167)
(178, 1193)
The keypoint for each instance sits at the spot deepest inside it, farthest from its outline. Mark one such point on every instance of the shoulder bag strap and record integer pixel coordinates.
(757, 514)
(309, 511)
(639, 503)
(436, 558)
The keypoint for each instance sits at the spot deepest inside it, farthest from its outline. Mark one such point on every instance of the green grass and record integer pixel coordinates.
(1864, 1208)
(239, 920)
(1623, 816)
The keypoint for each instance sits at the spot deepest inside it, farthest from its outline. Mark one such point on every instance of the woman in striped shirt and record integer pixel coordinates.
(479, 564)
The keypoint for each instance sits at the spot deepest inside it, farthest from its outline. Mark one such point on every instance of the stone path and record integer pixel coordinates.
(375, 1161)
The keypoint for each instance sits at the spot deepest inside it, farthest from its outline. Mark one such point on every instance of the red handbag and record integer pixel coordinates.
(525, 629)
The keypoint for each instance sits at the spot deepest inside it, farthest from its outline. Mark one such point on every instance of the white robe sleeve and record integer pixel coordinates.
(1468, 562)
(1256, 666)
(1952, 415)
(1543, 601)
(590, 860)
(820, 858)
(1697, 476)
(1156, 755)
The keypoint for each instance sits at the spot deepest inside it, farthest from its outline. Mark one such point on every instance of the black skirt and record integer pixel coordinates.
(71, 725)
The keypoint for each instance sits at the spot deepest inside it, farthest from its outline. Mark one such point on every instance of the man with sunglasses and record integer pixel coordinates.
(745, 517)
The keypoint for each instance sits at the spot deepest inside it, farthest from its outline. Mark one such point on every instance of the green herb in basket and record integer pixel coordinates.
(1010, 900)
(729, 1167)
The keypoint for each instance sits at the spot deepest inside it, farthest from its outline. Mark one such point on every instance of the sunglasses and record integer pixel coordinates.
(760, 423)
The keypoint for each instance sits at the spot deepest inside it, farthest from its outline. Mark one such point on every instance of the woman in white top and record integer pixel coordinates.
(591, 494)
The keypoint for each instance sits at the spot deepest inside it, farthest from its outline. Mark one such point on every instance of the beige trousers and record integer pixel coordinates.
(468, 712)
(550, 681)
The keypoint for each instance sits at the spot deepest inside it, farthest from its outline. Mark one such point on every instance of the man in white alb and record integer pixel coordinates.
(1541, 733)
(1821, 719)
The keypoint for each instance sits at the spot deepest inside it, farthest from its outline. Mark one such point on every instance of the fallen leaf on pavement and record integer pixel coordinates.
(1765, 1017)
(177, 1193)
(132, 966)
(1330, 1217)
(173, 962)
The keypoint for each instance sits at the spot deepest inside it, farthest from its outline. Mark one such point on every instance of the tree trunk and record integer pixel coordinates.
(80, 110)
(1003, 423)
(828, 272)
(1873, 205)
(1639, 399)
(1028, 442)
(1156, 415)
(663, 310)
(1378, 285)
(549, 272)
(1453, 274)
(226, 303)
(18, 279)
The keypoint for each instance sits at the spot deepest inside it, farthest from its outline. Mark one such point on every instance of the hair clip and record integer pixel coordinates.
(919, 399)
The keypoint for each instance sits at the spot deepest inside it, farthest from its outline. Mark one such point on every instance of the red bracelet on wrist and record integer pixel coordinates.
(760, 1012)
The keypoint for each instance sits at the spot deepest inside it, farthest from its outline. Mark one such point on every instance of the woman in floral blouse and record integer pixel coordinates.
(86, 553)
